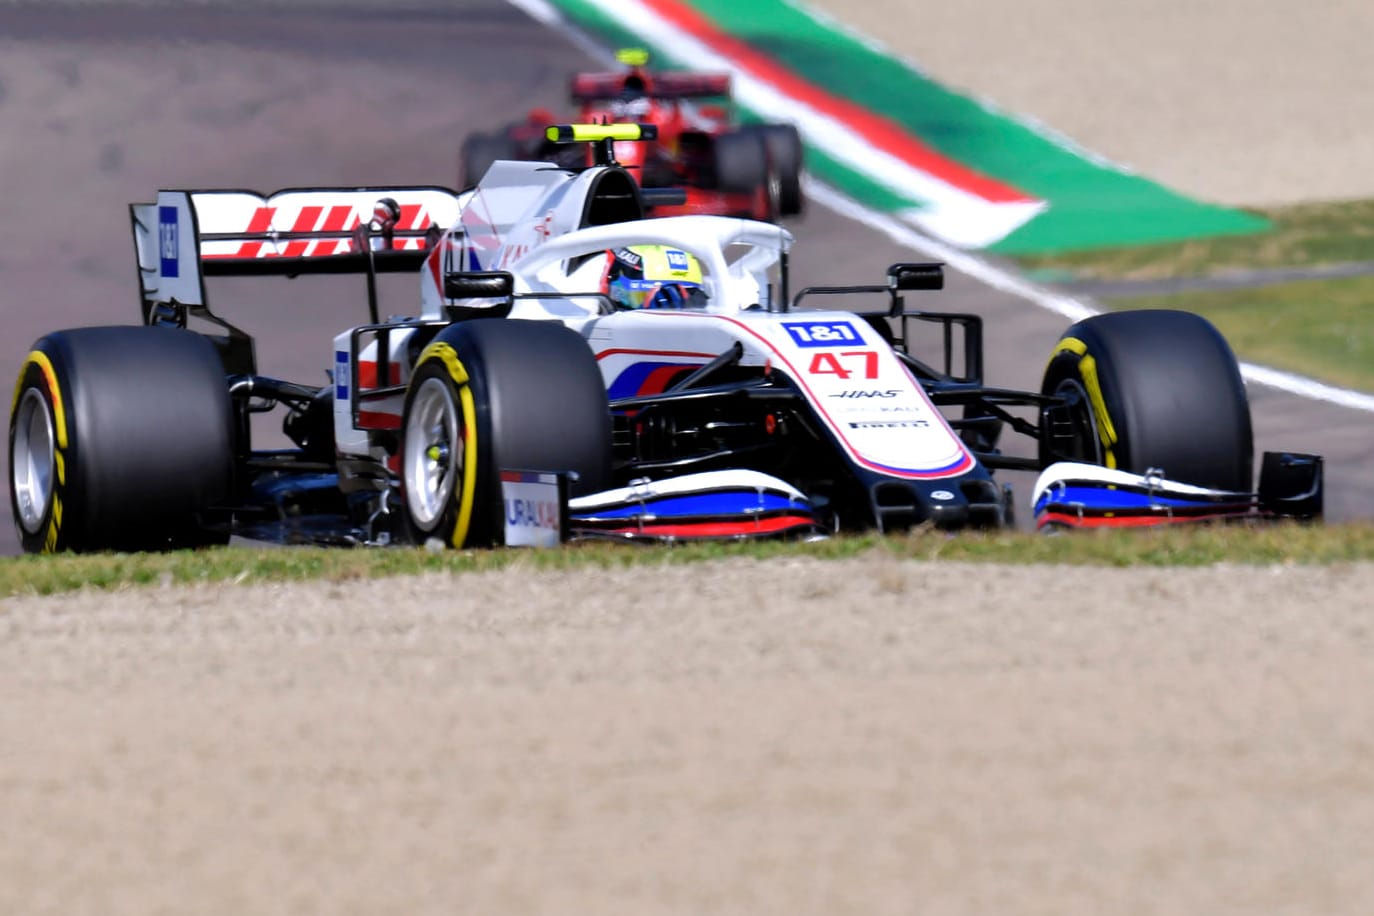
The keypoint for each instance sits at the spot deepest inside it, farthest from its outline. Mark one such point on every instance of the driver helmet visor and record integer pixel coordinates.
(655, 294)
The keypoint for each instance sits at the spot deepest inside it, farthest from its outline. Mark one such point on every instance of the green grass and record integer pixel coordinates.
(1305, 234)
(1189, 546)
(1321, 328)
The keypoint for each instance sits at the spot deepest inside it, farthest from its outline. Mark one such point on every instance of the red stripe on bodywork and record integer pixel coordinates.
(409, 220)
(772, 525)
(305, 222)
(1128, 521)
(657, 380)
(434, 266)
(261, 222)
(372, 419)
(878, 130)
(961, 464)
(367, 374)
(335, 221)
(616, 351)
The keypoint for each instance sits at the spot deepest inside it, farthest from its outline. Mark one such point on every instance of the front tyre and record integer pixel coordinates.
(497, 394)
(1150, 389)
(120, 439)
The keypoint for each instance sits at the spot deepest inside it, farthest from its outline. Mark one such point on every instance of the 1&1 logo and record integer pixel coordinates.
(822, 333)
(168, 241)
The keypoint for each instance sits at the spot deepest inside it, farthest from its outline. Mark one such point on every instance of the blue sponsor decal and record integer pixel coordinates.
(823, 333)
(168, 242)
(677, 260)
(341, 375)
(532, 513)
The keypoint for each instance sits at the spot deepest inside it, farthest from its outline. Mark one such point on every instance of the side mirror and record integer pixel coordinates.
(663, 197)
(916, 276)
(486, 284)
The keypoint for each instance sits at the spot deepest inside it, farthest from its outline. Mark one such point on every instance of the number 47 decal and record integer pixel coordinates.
(828, 363)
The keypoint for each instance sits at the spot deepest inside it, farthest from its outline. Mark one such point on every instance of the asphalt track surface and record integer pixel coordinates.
(103, 104)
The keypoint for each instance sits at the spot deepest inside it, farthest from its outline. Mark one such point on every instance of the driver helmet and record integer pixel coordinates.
(654, 277)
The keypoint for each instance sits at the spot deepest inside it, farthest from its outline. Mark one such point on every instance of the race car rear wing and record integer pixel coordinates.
(188, 235)
(595, 87)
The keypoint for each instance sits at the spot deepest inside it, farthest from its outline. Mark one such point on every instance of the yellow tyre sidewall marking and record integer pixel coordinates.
(446, 355)
(40, 360)
(1087, 371)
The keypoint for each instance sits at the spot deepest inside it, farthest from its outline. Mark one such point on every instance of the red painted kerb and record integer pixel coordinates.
(878, 130)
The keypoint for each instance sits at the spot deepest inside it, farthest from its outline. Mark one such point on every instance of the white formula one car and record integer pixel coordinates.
(576, 370)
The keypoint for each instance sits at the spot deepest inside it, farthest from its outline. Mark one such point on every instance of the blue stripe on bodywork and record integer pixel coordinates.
(700, 504)
(1098, 498)
(630, 382)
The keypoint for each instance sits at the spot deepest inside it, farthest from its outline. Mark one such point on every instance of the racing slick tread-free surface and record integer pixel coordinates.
(539, 405)
(148, 438)
(741, 161)
(785, 155)
(1166, 393)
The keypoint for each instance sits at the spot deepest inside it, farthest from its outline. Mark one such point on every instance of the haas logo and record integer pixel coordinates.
(885, 393)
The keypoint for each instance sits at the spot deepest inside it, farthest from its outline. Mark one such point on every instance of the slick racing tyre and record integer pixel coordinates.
(120, 439)
(1150, 389)
(785, 155)
(495, 394)
(741, 161)
(479, 152)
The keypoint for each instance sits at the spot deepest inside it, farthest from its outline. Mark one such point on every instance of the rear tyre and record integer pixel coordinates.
(1152, 389)
(741, 161)
(120, 439)
(493, 394)
(784, 147)
(479, 152)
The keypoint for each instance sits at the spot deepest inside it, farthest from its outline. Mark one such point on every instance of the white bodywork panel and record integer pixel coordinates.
(876, 410)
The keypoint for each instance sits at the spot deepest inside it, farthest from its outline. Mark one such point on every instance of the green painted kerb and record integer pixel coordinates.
(1092, 204)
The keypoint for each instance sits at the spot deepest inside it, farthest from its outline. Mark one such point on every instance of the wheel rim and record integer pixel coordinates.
(774, 190)
(433, 452)
(33, 460)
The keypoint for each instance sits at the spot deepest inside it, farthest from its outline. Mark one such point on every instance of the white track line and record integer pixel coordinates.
(1001, 279)
(981, 270)
(1068, 306)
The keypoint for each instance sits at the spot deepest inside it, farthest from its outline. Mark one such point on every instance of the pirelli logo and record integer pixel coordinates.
(889, 424)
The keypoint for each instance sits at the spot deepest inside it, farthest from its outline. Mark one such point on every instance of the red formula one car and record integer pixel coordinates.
(723, 167)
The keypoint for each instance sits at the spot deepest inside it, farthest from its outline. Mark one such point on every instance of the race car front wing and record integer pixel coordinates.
(1074, 495)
